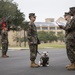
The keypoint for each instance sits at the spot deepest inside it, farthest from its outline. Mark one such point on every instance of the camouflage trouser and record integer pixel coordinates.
(70, 46)
(33, 51)
(4, 48)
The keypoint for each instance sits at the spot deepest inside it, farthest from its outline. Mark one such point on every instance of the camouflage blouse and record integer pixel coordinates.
(32, 33)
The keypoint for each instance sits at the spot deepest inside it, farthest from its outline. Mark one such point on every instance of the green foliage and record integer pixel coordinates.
(7, 8)
(23, 40)
(45, 36)
(24, 25)
(61, 36)
(16, 38)
(52, 37)
(11, 14)
(18, 19)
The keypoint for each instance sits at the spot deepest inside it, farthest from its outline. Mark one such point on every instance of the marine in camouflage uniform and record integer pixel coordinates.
(32, 39)
(4, 40)
(70, 42)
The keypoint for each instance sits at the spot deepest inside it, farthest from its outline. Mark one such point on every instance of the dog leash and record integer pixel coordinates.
(38, 52)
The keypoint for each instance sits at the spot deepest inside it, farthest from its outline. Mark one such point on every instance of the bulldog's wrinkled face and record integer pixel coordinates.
(45, 53)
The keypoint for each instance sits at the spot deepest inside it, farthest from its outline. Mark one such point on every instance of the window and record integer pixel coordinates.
(38, 28)
(58, 28)
(44, 28)
(52, 28)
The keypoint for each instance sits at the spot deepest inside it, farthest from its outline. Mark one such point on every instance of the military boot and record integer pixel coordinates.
(71, 67)
(37, 64)
(34, 65)
(5, 56)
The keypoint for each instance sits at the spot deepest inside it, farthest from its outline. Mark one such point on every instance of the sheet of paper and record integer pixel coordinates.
(61, 21)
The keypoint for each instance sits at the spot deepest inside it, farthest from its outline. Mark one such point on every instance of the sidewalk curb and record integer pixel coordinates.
(18, 49)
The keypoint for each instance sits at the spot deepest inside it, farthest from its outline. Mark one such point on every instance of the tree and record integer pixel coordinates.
(7, 8)
(24, 26)
(52, 37)
(15, 38)
(18, 19)
(61, 36)
(45, 36)
(11, 14)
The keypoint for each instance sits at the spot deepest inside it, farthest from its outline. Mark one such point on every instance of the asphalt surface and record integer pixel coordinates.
(19, 64)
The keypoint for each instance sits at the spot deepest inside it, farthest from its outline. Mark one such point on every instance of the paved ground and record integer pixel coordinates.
(18, 63)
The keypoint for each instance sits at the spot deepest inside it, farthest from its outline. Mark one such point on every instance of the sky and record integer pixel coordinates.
(45, 8)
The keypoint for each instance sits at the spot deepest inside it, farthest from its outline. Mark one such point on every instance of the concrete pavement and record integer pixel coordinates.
(19, 64)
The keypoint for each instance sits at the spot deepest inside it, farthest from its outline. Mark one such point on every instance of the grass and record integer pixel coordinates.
(52, 45)
(46, 45)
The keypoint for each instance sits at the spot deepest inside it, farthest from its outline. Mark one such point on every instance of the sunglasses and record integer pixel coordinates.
(34, 17)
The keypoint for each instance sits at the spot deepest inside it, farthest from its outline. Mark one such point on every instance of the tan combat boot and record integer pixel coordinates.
(34, 65)
(5, 56)
(71, 67)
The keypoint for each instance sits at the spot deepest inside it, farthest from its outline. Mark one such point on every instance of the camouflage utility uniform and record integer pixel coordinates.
(32, 40)
(4, 42)
(70, 39)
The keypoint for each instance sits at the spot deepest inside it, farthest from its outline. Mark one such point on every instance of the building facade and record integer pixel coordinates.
(48, 25)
